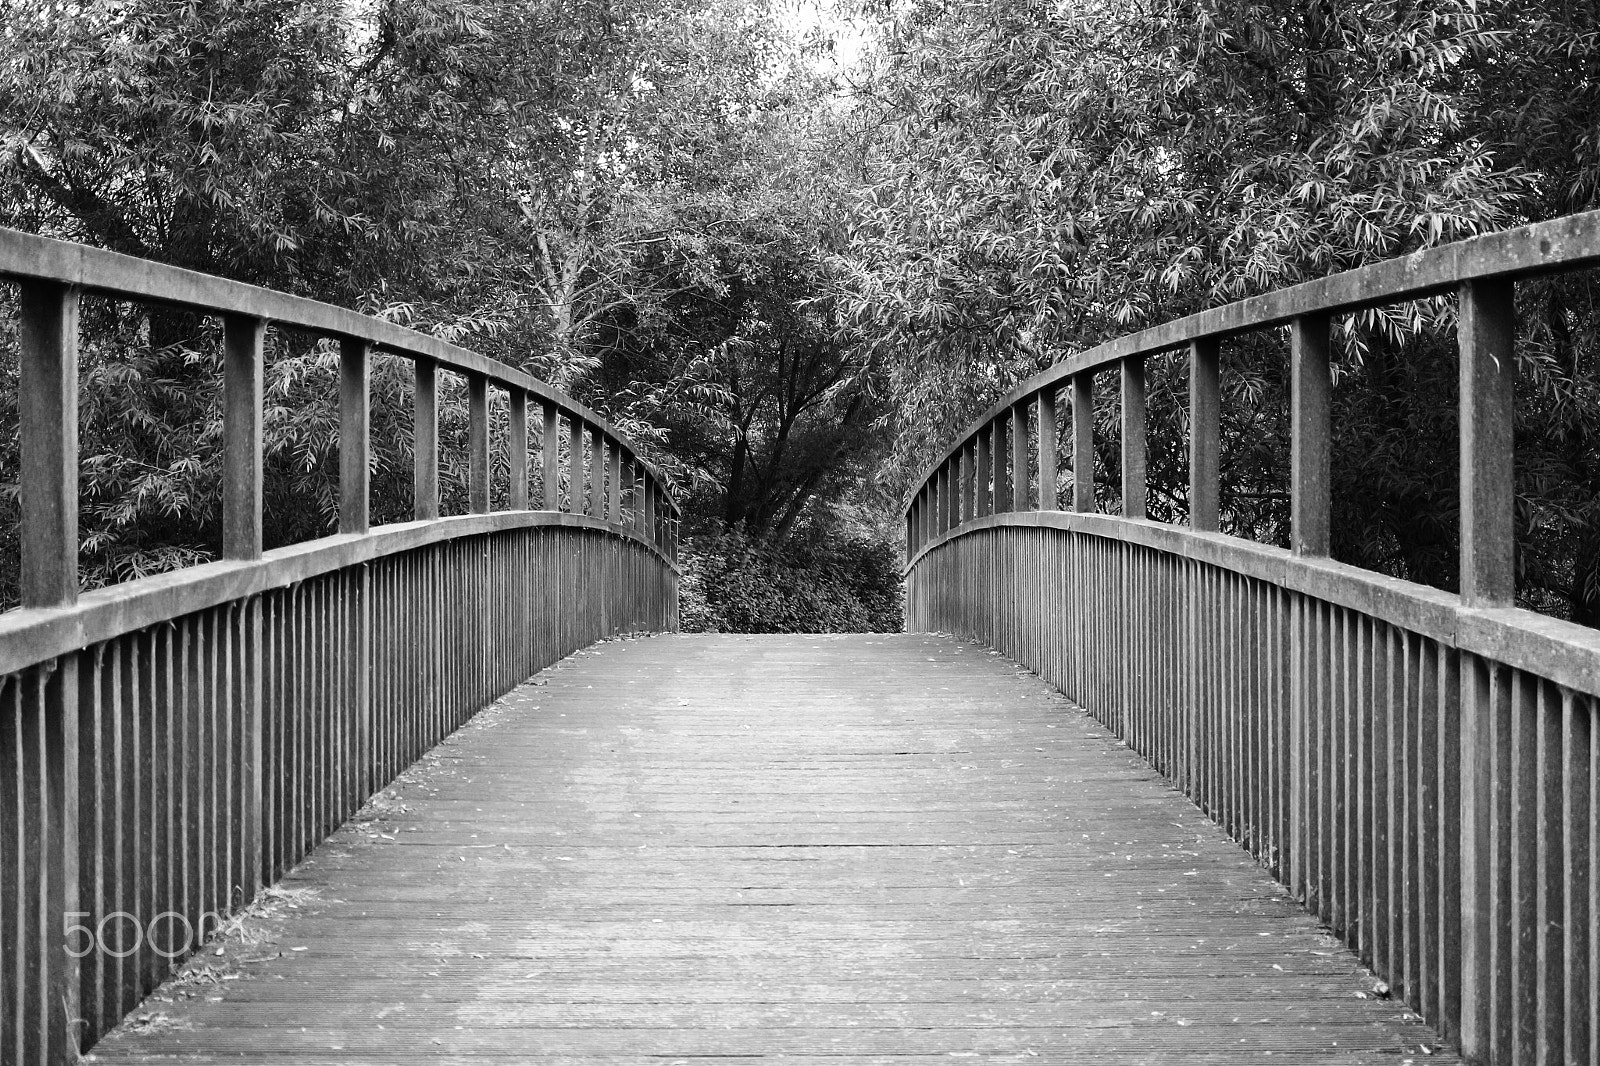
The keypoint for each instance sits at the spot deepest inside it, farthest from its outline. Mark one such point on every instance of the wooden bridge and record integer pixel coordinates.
(1157, 793)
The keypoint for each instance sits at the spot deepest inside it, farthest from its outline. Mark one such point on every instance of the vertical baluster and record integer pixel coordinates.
(1487, 368)
(1021, 492)
(999, 453)
(1310, 446)
(46, 746)
(614, 502)
(575, 465)
(355, 445)
(477, 443)
(550, 457)
(963, 504)
(597, 473)
(1045, 417)
(1133, 437)
(984, 474)
(425, 441)
(1083, 442)
(648, 523)
(1488, 390)
(1205, 409)
(517, 448)
(1549, 912)
(1578, 927)
(242, 359)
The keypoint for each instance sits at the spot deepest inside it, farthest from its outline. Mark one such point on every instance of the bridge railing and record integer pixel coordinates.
(1419, 767)
(171, 745)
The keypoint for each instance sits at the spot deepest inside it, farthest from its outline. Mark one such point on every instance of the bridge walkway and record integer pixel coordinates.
(893, 848)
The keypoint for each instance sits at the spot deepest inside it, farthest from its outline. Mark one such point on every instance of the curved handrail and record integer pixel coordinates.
(54, 619)
(1555, 649)
(95, 270)
(1417, 766)
(1567, 243)
(972, 478)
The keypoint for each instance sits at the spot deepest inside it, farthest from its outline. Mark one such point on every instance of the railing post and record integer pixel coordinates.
(477, 444)
(614, 500)
(597, 473)
(1133, 438)
(1310, 446)
(550, 457)
(963, 509)
(355, 434)
(517, 448)
(984, 475)
(636, 496)
(944, 496)
(1021, 495)
(574, 464)
(48, 726)
(1488, 392)
(1083, 442)
(1486, 339)
(649, 530)
(1049, 500)
(999, 453)
(1205, 451)
(243, 348)
(425, 441)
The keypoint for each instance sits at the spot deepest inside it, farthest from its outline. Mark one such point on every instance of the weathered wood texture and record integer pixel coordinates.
(846, 849)
(169, 745)
(1432, 779)
(218, 749)
(1433, 806)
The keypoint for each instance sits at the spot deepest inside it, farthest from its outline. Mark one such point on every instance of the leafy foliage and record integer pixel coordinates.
(610, 193)
(736, 583)
(1045, 176)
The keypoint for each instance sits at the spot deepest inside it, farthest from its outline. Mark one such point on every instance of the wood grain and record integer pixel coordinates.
(865, 849)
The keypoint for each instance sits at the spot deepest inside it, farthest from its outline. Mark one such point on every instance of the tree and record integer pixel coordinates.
(601, 191)
(1045, 176)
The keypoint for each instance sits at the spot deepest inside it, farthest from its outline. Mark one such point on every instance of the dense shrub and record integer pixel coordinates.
(809, 583)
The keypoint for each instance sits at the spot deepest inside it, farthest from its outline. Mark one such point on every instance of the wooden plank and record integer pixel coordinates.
(614, 500)
(984, 475)
(575, 467)
(1045, 418)
(425, 442)
(1205, 433)
(1133, 437)
(243, 359)
(355, 435)
(597, 475)
(1000, 455)
(1311, 443)
(550, 458)
(517, 449)
(1021, 489)
(884, 847)
(477, 444)
(1083, 442)
(964, 492)
(47, 402)
(1487, 339)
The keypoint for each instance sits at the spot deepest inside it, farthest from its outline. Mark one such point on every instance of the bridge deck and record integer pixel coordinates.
(873, 848)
